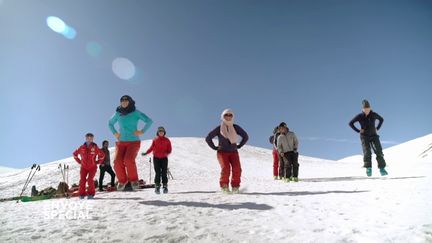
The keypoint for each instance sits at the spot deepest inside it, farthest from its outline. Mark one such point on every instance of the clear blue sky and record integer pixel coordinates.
(309, 63)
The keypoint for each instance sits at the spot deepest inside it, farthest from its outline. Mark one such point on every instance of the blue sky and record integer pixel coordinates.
(309, 63)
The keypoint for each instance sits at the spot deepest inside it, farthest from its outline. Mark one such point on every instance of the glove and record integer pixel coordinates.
(143, 154)
(239, 147)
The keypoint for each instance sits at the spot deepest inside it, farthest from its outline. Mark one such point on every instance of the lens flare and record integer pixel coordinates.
(56, 24)
(59, 26)
(123, 68)
(94, 49)
(69, 33)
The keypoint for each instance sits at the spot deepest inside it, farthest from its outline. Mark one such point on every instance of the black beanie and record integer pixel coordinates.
(161, 129)
(365, 104)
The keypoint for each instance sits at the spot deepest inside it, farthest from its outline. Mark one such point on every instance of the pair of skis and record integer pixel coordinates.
(35, 168)
(64, 169)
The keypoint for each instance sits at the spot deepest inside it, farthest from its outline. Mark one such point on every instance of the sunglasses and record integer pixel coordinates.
(228, 115)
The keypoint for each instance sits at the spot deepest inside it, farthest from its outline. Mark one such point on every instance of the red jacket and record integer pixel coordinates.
(88, 156)
(161, 147)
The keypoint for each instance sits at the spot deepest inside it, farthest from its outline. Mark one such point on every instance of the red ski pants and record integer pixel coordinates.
(275, 163)
(124, 162)
(229, 161)
(87, 177)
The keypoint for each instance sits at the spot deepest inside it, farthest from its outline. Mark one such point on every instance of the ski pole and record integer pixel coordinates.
(61, 171)
(150, 162)
(31, 177)
(24, 186)
(169, 173)
(28, 182)
(67, 177)
(34, 172)
(60, 168)
(64, 173)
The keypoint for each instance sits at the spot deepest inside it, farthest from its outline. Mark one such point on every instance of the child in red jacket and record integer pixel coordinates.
(86, 155)
(161, 148)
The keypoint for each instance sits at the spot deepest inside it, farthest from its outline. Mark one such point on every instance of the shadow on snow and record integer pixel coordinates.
(355, 178)
(291, 193)
(226, 206)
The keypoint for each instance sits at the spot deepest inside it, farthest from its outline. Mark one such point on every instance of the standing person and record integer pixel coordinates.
(282, 164)
(287, 146)
(106, 166)
(272, 140)
(369, 137)
(161, 148)
(86, 155)
(128, 144)
(227, 150)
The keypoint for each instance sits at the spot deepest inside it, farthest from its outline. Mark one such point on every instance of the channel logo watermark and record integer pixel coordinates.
(68, 210)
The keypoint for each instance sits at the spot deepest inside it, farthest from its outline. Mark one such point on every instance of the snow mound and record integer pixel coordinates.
(413, 151)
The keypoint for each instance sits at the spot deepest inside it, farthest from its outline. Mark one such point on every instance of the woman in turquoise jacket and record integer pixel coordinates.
(128, 144)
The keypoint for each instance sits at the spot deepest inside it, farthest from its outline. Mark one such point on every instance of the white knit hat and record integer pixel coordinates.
(227, 111)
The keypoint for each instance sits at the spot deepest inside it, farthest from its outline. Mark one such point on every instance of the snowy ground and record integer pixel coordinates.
(4, 170)
(334, 202)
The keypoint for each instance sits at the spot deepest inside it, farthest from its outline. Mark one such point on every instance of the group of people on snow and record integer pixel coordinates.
(285, 150)
(285, 153)
(127, 147)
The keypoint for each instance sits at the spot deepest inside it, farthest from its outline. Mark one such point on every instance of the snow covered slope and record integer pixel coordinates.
(334, 202)
(4, 170)
(401, 157)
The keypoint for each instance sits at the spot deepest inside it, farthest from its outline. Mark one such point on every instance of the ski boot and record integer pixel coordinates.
(286, 180)
(90, 197)
(275, 178)
(121, 187)
(225, 190)
(157, 190)
(369, 171)
(165, 190)
(295, 179)
(383, 172)
(81, 197)
(135, 185)
(235, 190)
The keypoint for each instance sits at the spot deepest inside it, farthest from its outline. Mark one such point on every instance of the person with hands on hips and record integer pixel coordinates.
(128, 144)
(227, 150)
(369, 137)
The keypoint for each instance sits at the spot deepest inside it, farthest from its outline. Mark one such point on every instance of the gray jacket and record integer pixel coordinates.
(287, 142)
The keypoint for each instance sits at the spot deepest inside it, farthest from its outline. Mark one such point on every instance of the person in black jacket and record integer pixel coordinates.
(227, 150)
(106, 166)
(369, 137)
